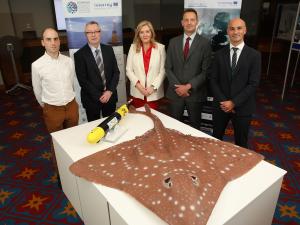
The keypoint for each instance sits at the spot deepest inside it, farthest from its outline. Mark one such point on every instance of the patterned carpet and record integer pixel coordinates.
(275, 134)
(28, 187)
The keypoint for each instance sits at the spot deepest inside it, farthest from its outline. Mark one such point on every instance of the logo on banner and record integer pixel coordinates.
(106, 4)
(72, 7)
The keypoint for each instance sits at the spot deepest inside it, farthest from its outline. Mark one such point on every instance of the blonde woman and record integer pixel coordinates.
(146, 67)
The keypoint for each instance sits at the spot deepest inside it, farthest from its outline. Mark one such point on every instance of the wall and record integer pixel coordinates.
(28, 15)
(1, 79)
(171, 13)
(250, 12)
(39, 14)
(128, 14)
(6, 27)
(162, 13)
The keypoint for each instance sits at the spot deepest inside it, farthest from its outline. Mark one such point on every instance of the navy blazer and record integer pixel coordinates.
(89, 77)
(239, 87)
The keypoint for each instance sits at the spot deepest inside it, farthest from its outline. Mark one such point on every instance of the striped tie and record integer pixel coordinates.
(234, 59)
(100, 66)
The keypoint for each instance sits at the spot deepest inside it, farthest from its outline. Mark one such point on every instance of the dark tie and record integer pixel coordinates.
(234, 59)
(100, 66)
(186, 47)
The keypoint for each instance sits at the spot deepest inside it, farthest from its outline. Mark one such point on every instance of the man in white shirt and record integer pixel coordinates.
(52, 81)
(235, 76)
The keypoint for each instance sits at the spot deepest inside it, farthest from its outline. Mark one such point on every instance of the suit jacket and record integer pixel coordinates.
(240, 86)
(193, 70)
(89, 77)
(135, 71)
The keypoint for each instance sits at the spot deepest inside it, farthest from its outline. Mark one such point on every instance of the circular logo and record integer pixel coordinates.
(72, 7)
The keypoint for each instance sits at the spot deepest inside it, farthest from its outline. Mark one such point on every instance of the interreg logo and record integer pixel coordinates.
(72, 7)
(106, 5)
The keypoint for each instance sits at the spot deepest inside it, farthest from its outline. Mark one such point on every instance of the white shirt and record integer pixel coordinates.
(52, 80)
(238, 52)
(192, 38)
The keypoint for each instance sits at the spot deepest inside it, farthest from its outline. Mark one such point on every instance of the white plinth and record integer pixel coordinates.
(248, 200)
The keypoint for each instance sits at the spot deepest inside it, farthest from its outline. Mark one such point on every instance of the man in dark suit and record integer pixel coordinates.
(235, 76)
(97, 73)
(188, 59)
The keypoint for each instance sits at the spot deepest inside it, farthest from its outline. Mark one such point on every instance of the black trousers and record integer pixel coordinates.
(194, 109)
(240, 124)
(93, 111)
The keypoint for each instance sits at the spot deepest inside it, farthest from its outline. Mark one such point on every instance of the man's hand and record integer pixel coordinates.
(182, 90)
(104, 98)
(227, 106)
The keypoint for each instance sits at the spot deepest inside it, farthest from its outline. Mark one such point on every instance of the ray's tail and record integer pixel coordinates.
(159, 129)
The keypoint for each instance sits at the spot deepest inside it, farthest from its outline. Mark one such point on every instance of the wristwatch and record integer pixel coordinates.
(154, 88)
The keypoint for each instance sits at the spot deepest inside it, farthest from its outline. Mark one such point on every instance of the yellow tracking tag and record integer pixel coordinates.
(122, 110)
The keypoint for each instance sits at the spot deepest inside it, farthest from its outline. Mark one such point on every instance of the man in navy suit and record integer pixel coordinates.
(188, 60)
(97, 73)
(235, 76)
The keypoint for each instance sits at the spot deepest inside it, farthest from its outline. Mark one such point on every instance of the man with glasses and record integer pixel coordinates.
(97, 73)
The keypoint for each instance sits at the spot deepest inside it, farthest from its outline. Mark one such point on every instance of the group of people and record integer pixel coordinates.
(233, 75)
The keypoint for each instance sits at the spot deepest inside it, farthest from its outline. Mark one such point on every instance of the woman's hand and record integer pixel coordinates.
(150, 90)
(141, 89)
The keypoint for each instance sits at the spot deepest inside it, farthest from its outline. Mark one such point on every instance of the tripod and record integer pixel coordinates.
(10, 49)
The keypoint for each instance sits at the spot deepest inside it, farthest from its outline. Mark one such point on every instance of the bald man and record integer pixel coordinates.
(52, 80)
(235, 75)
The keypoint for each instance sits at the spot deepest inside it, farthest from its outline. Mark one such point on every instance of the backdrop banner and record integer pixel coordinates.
(108, 13)
(214, 17)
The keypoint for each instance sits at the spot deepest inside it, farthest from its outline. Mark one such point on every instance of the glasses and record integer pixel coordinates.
(92, 32)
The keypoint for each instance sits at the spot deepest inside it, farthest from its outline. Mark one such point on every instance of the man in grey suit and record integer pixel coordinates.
(188, 60)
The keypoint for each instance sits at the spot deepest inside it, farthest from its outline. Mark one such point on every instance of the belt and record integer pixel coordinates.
(60, 106)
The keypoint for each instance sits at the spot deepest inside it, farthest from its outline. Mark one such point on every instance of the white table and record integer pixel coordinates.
(250, 199)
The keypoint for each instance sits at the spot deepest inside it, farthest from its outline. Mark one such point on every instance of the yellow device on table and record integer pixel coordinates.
(109, 123)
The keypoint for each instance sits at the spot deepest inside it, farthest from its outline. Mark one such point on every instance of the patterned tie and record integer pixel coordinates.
(100, 66)
(234, 59)
(186, 47)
